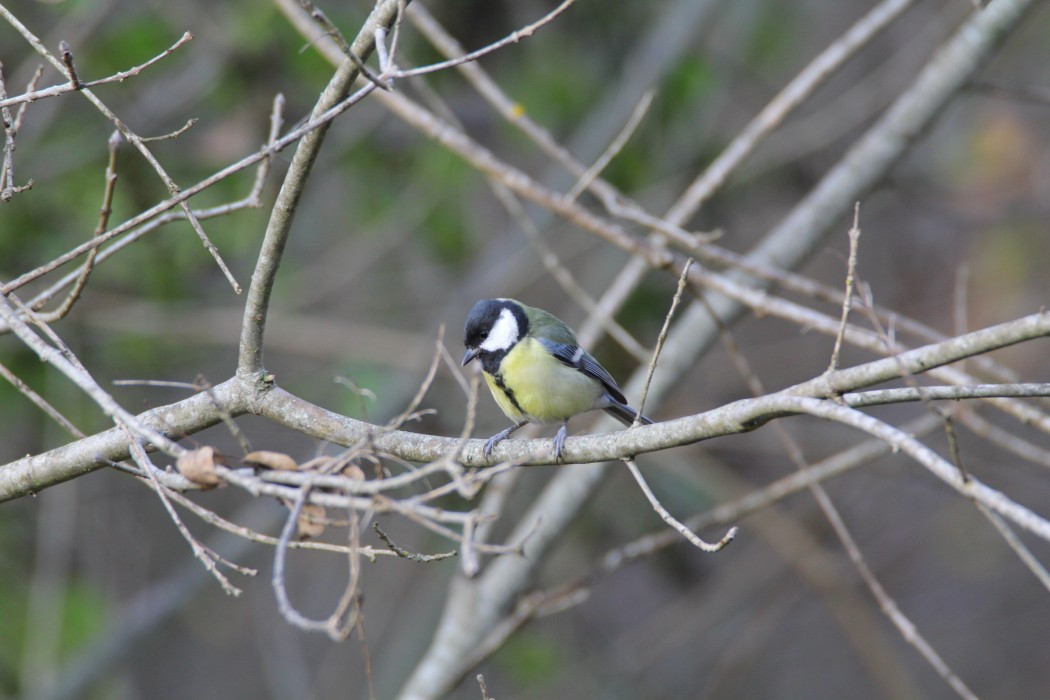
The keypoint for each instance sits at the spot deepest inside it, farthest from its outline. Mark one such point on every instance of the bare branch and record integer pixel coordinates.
(516, 36)
(40, 402)
(617, 144)
(787, 100)
(946, 472)
(279, 226)
(661, 338)
(29, 475)
(284, 605)
(405, 554)
(81, 378)
(103, 223)
(693, 538)
(66, 64)
(253, 199)
(200, 551)
(847, 300)
(11, 125)
(32, 95)
(142, 218)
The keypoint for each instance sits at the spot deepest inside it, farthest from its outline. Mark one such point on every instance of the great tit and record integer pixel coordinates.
(536, 370)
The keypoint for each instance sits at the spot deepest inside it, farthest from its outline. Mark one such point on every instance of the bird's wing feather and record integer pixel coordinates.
(579, 359)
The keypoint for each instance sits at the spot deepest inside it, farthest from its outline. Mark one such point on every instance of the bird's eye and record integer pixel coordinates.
(484, 334)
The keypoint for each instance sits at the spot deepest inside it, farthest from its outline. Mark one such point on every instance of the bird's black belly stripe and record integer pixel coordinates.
(507, 392)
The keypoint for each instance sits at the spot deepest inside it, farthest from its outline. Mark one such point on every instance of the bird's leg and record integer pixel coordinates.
(559, 439)
(499, 437)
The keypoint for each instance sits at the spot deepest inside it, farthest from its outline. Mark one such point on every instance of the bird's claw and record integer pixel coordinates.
(491, 443)
(559, 441)
(496, 439)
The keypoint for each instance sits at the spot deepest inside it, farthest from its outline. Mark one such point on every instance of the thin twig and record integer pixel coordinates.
(142, 218)
(512, 38)
(661, 338)
(762, 497)
(203, 553)
(206, 387)
(39, 401)
(395, 37)
(847, 300)
(907, 629)
(484, 690)
(32, 95)
(617, 144)
(6, 166)
(1019, 547)
(424, 386)
(347, 613)
(66, 64)
(670, 519)
(333, 32)
(405, 554)
(11, 125)
(252, 199)
(334, 625)
(385, 64)
(366, 656)
(103, 223)
(284, 605)
(886, 603)
(218, 521)
(329, 27)
(190, 123)
(66, 363)
(469, 557)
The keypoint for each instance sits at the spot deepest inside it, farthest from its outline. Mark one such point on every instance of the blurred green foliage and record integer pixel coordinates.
(85, 611)
(532, 659)
(772, 38)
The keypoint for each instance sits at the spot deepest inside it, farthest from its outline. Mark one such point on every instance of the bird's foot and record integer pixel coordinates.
(559, 440)
(499, 437)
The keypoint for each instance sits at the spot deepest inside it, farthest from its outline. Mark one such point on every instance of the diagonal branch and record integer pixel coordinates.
(279, 227)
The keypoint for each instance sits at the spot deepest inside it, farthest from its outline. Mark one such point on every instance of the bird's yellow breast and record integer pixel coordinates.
(531, 384)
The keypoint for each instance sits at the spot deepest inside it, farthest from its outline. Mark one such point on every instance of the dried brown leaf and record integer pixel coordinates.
(199, 466)
(312, 520)
(271, 460)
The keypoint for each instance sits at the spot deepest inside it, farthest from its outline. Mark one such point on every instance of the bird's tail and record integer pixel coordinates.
(625, 414)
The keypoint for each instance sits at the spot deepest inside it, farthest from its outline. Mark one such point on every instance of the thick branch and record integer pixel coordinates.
(237, 396)
(34, 473)
(258, 299)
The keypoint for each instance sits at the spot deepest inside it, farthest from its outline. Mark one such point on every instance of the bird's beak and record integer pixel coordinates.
(469, 356)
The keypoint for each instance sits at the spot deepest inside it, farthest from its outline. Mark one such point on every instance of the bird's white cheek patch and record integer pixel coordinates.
(504, 333)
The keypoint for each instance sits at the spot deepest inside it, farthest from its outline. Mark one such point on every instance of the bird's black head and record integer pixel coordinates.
(493, 327)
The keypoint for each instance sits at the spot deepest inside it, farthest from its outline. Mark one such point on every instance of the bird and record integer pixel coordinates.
(536, 370)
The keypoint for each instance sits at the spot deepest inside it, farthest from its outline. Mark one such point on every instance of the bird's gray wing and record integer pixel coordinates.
(578, 358)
